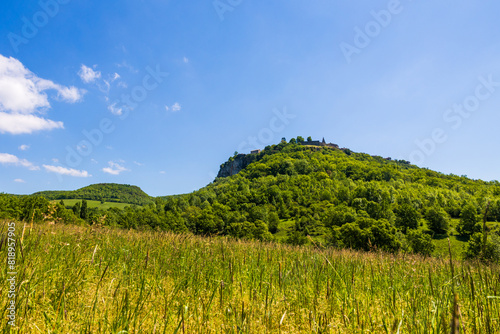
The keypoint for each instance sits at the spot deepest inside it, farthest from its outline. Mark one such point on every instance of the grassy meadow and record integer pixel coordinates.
(75, 279)
(95, 204)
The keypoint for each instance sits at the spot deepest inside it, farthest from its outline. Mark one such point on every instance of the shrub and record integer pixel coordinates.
(420, 243)
(489, 253)
(438, 220)
(468, 224)
(407, 217)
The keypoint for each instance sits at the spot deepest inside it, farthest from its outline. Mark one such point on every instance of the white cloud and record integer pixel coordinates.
(88, 75)
(19, 181)
(115, 77)
(22, 94)
(24, 147)
(176, 107)
(20, 124)
(186, 60)
(115, 110)
(9, 159)
(138, 163)
(114, 168)
(55, 160)
(162, 172)
(66, 171)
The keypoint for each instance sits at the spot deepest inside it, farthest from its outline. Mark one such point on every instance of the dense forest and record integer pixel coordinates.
(326, 196)
(104, 192)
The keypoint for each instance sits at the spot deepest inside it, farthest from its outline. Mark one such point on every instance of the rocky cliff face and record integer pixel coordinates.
(236, 164)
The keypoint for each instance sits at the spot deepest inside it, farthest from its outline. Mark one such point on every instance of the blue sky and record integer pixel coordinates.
(159, 93)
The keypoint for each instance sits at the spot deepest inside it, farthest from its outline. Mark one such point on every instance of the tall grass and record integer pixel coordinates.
(83, 280)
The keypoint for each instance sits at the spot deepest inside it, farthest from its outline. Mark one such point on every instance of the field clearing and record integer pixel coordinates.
(96, 204)
(74, 279)
(458, 243)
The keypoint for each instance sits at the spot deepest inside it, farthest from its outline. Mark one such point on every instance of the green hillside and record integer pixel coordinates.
(105, 192)
(303, 194)
(339, 198)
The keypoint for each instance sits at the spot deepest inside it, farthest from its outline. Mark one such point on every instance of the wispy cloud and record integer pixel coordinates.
(22, 95)
(9, 159)
(115, 110)
(88, 75)
(185, 60)
(114, 168)
(24, 147)
(19, 181)
(174, 108)
(66, 171)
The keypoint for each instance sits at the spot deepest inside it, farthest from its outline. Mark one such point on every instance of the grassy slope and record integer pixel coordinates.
(79, 280)
(96, 204)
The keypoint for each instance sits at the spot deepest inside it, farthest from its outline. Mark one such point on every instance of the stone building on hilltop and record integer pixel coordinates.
(319, 143)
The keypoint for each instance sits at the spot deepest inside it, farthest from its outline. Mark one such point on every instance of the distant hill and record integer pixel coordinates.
(107, 192)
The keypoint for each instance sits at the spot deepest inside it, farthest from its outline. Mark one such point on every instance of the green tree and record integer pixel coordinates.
(420, 243)
(76, 208)
(300, 139)
(339, 216)
(83, 211)
(274, 221)
(309, 138)
(406, 217)
(261, 230)
(487, 253)
(468, 223)
(296, 238)
(438, 220)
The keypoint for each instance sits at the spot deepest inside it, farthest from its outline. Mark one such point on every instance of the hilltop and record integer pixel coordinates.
(292, 191)
(104, 192)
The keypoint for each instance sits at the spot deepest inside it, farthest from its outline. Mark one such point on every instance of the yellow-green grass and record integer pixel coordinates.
(100, 280)
(96, 204)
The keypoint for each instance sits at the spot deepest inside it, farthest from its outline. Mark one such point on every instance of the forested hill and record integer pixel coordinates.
(106, 192)
(337, 197)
